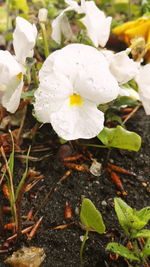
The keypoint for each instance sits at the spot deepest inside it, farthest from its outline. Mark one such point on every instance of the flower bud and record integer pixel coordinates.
(42, 15)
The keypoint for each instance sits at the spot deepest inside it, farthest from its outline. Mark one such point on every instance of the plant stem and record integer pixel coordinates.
(82, 247)
(43, 29)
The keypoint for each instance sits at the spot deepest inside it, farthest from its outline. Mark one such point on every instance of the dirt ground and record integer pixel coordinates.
(62, 246)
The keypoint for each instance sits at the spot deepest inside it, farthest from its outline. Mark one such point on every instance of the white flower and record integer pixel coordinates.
(98, 26)
(12, 67)
(73, 82)
(11, 81)
(143, 81)
(95, 21)
(24, 38)
(121, 66)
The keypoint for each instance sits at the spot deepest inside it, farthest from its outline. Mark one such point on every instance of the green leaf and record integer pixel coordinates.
(146, 250)
(21, 4)
(120, 138)
(142, 233)
(125, 100)
(27, 94)
(124, 213)
(143, 214)
(91, 217)
(121, 250)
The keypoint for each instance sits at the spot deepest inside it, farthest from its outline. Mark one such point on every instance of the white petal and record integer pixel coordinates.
(98, 26)
(61, 25)
(143, 81)
(9, 69)
(86, 68)
(123, 68)
(53, 90)
(24, 39)
(75, 122)
(11, 98)
(97, 85)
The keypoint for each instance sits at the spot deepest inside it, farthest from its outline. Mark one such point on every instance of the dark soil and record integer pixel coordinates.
(62, 246)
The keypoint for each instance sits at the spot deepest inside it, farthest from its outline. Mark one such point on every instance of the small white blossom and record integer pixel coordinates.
(12, 68)
(73, 82)
(143, 81)
(24, 38)
(123, 67)
(95, 21)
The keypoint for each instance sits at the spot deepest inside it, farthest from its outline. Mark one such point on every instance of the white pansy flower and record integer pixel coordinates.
(11, 81)
(95, 21)
(24, 38)
(73, 82)
(98, 26)
(143, 81)
(12, 68)
(123, 67)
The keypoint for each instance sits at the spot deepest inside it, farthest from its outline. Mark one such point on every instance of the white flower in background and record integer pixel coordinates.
(143, 81)
(123, 69)
(98, 26)
(121, 66)
(24, 38)
(73, 82)
(12, 67)
(95, 21)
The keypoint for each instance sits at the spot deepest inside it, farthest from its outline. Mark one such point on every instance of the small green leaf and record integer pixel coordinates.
(91, 217)
(124, 213)
(120, 138)
(21, 4)
(125, 100)
(146, 250)
(121, 250)
(143, 214)
(27, 94)
(142, 233)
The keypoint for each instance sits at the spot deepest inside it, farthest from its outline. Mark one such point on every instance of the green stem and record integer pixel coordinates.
(46, 49)
(8, 11)
(82, 247)
(35, 78)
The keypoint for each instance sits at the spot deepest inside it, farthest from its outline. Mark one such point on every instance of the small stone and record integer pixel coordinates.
(104, 203)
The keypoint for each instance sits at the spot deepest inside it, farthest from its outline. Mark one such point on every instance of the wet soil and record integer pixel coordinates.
(62, 246)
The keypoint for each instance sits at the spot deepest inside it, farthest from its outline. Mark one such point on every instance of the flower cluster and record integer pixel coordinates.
(12, 67)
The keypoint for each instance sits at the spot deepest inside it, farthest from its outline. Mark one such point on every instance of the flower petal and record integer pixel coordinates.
(61, 25)
(97, 85)
(53, 90)
(123, 68)
(143, 81)
(11, 97)
(9, 69)
(86, 68)
(75, 122)
(24, 39)
(98, 26)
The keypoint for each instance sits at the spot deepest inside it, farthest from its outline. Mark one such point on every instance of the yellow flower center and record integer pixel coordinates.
(19, 76)
(76, 100)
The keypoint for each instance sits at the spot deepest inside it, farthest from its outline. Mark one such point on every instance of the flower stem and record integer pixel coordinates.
(46, 49)
(82, 247)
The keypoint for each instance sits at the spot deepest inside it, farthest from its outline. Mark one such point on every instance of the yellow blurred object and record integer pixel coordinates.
(121, 1)
(134, 29)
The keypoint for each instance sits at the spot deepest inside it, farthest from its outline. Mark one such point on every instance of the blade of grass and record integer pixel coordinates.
(19, 188)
